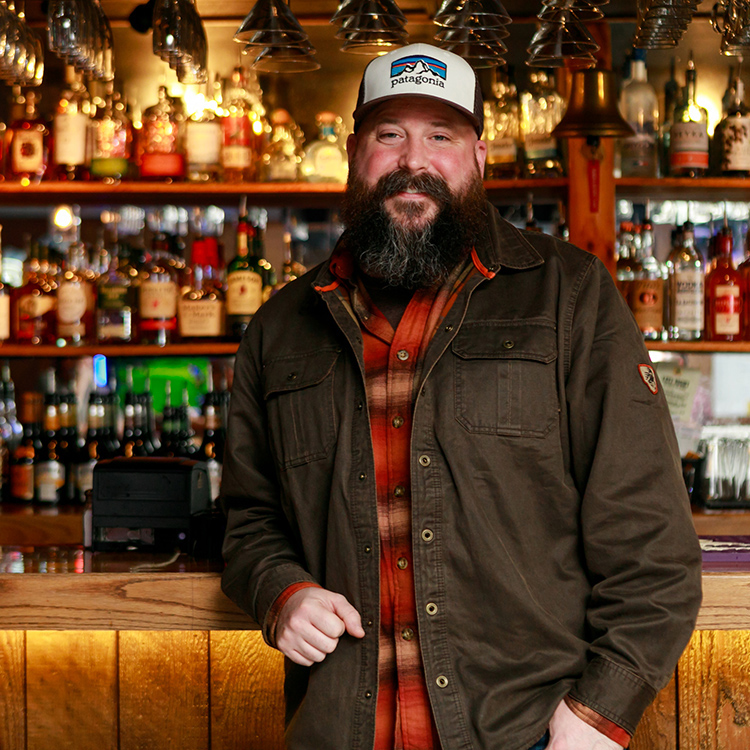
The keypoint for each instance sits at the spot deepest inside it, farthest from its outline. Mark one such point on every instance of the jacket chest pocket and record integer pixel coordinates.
(299, 401)
(505, 378)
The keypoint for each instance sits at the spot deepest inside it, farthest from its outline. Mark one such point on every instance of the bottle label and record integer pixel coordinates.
(689, 302)
(85, 477)
(540, 146)
(4, 317)
(116, 167)
(281, 170)
(71, 138)
(638, 156)
(329, 163)
(244, 293)
(35, 305)
(49, 477)
(647, 303)
(204, 318)
(162, 165)
(113, 297)
(735, 142)
(72, 301)
(502, 151)
(27, 151)
(158, 300)
(727, 306)
(688, 145)
(203, 142)
(236, 157)
(214, 477)
(22, 482)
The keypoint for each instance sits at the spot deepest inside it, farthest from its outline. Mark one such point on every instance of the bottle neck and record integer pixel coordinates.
(638, 70)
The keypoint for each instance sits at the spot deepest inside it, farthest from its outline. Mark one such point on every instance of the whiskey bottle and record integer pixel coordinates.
(724, 292)
(28, 135)
(158, 293)
(686, 273)
(203, 135)
(689, 144)
(732, 136)
(4, 301)
(24, 457)
(71, 129)
(243, 131)
(168, 438)
(162, 150)
(76, 300)
(33, 304)
(92, 450)
(49, 470)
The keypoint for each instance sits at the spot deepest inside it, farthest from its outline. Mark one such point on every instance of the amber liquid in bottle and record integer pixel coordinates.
(724, 293)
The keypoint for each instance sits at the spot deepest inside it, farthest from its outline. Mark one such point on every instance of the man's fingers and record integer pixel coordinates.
(350, 617)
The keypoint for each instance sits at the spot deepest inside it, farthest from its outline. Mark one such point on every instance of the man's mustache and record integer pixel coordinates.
(400, 181)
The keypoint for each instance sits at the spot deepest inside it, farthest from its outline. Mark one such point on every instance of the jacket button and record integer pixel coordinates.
(427, 535)
(291, 376)
(402, 354)
(402, 563)
(431, 608)
(508, 344)
(398, 421)
(441, 681)
(407, 634)
(369, 623)
(360, 405)
(368, 549)
(449, 328)
(362, 477)
(399, 491)
(424, 460)
(368, 694)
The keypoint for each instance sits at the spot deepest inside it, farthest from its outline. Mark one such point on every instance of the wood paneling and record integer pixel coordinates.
(164, 691)
(71, 690)
(658, 727)
(12, 690)
(714, 692)
(247, 702)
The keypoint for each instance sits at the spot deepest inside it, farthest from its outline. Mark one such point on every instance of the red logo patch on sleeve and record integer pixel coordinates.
(649, 378)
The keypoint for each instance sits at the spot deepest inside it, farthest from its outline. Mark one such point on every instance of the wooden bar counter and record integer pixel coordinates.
(132, 652)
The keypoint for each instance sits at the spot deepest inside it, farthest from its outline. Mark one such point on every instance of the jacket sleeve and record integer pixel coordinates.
(261, 554)
(638, 539)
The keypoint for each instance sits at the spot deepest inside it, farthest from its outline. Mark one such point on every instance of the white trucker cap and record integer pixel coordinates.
(421, 70)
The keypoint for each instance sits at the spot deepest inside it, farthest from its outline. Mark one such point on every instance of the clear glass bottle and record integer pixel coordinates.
(689, 142)
(158, 293)
(11, 414)
(542, 109)
(732, 137)
(283, 152)
(203, 135)
(112, 141)
(27, 139)
(161, 142)
(646, 292)
(325, 158)
(71, 136)
(744, 271)
(502, 127)
(724, 292)
(639, 106)
(117, 303)
(244, 131)
(76, 300)
(686, 298)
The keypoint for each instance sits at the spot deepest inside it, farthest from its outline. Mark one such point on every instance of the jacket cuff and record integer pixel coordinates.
(603, 725)
(272, 617)
(614, 692)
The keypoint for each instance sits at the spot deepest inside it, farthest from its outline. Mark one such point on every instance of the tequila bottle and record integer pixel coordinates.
(325, 158)
(502, 127)
(283, 153)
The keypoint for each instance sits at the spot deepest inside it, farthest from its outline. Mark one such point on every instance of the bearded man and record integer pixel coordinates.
(454, 495)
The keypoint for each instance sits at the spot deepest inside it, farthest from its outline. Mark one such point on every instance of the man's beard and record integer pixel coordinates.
(399, 252)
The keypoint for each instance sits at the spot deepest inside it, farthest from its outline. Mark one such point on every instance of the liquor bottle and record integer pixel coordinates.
(4, 301)
(161, 146)
(640, 108)
(157, 295)
(744, 271)
(531, 222)
(32, 305)
(92, 450)
(686, 273)
(257, 250)
(283, 153)
(9, 397)
(69, 447)
(502, 127)
(243, 131)
(132, 443)
(542, 109)
(116, 295)
(727, 100)
(562, 229)
(325, 158)
(184, 446)
(291, 268)
(23, 458)
(203, 136)
(150, 438)
(76, 300)
(111, 441)
(201, 308)
(27, 136)
(244, 279)
(646, 293)
(168, 438)
(212, 444)
(732, 137)
(724, 292)
(49, 471)
(689, 144)
(112, 139)
(70, 129)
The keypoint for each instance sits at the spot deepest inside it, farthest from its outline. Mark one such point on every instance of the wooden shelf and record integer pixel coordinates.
(299, 194)
(684, 188)
(697, 347)
(35, 526)
(221, 349)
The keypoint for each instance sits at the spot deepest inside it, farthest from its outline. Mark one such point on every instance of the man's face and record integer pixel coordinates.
(421, 137)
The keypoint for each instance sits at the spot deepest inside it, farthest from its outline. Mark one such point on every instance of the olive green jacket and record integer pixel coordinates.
(551, 527)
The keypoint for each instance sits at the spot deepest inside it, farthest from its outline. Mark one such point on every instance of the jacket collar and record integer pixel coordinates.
(503, 246)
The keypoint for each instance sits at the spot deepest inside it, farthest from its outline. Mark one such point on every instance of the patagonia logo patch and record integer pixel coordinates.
(418, 70)
(649, 378)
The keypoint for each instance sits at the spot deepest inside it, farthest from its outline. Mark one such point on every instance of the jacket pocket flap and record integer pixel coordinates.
(507, 340)
(301, 371)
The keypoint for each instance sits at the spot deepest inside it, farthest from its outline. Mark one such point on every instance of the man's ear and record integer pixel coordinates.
(480, 152)
(351, 147)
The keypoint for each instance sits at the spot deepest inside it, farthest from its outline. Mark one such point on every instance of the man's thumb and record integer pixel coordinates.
(350, 616)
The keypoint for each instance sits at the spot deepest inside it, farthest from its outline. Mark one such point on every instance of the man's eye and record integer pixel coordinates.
(389, 134)
(439, 137)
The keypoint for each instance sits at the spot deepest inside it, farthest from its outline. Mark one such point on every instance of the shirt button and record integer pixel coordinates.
(399, 491)
(407, 634)
(402, 354)
(360, 405)
(368, 694)
(362, 477)
(441, 681)
(508, 344)
(402, 563)
(368, 549)
(431, 608)
(398, 422)
(424, 460)
(427, 535)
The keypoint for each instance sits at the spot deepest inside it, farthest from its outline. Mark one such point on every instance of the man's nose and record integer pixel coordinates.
(413, 157)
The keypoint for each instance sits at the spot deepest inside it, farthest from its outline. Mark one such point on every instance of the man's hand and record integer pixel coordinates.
(568, 732)
(311, 623)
